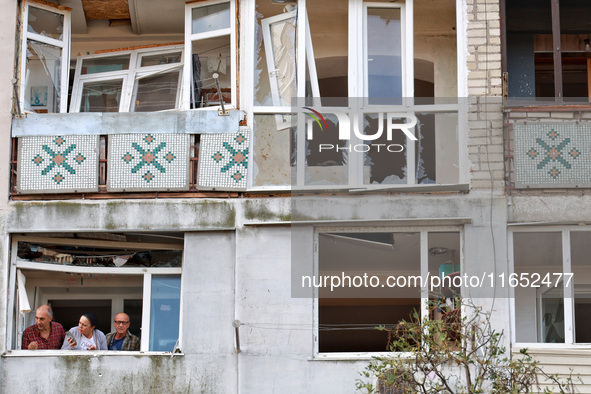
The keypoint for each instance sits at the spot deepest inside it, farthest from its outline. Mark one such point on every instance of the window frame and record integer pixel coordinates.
(357, 86)
(424, 232)
(185, 103)
(569, 294)
(129, 76)
(63, 45)
(15, 327)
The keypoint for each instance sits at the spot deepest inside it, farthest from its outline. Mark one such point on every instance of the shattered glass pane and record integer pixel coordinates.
(436, 148)
(275, 53)
(43, 76)
(210, 18)
(385, 159)
(105, 64)
(45, 23)
(160, 59)
(214, 57)
(326, 155)
(157, 92)
(103, 96)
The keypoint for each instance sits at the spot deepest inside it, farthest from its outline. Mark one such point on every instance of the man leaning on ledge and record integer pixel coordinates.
(45, 333)
(122, 339)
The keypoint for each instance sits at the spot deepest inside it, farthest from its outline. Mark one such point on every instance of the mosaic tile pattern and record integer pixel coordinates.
(552, 155)
(223, 161)
(58, 164)
(148, 162)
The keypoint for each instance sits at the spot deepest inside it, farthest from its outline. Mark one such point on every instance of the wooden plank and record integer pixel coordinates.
(47, 3)
(138, 47)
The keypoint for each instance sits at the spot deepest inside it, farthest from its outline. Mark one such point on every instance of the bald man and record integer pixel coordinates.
(45, 333)
(122, 339)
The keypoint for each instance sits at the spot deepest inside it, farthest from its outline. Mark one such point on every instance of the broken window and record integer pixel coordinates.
(210, 38)
(141, 80)
(552, 284)
(138, 274)
(44, 58)
(378, 64)
(548, 52)
(383, 46)
(352, 303)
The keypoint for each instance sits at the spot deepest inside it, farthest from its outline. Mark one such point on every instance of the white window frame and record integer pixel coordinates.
(357, 87)
(129, 76)
(568, 291)
(63, 45)
(424, 269)
(15, 330)
(406, 47)
(190, 38)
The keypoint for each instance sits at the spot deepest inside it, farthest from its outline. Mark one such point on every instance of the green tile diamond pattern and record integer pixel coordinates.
(552, 155)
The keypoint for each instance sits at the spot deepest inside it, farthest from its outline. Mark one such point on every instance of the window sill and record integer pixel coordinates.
(426, 188)
(86, 353)
(105, 123)
(353, 356)
(556, 349)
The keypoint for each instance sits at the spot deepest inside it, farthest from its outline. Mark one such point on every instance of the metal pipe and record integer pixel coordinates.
(217, 83)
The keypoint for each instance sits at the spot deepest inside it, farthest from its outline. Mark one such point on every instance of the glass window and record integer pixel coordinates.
(275, 54)
(43, 77)
(165, 310)
(209, 18)
(162, 58)
(100, 83)
(157, 92)
(44, 59)
(374, 280)
(45, 23)
(212, 56)
(384, 52)
(102, 96)
(105, 277)
(540, 307)
(104, 64)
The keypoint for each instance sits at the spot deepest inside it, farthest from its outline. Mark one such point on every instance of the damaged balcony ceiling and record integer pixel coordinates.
(145, 16)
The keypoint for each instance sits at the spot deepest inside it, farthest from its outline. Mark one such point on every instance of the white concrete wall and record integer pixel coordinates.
(242, 274)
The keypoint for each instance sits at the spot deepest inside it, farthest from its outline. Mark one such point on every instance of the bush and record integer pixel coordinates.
(453, 353)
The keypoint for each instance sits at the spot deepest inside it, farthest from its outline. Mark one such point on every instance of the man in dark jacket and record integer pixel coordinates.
(122, 339)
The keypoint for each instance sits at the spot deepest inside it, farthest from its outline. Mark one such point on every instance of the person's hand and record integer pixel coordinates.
(91, 347)
(72, 342)
(33, 345)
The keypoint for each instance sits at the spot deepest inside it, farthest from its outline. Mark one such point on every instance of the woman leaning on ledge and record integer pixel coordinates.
(85, 336)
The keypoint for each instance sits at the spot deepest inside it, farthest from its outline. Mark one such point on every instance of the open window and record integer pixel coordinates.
(210, 39)
(141, 80)
(548, 54)
(45, 54)
(373, 58)
(139, 274)
(377, 282)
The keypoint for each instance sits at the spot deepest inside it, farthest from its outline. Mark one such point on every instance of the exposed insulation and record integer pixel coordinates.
(106, 9)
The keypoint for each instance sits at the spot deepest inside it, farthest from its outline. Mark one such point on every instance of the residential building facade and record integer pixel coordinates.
(188, 164)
